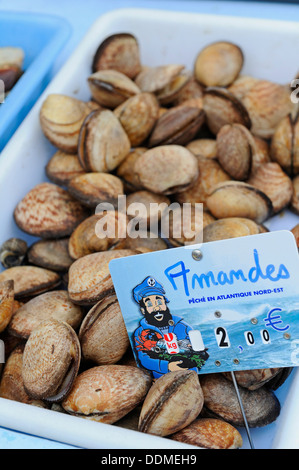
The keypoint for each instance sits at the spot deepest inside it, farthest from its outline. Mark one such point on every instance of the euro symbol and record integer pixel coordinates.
(273, 320)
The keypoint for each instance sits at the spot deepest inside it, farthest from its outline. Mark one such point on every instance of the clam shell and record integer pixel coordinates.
(210, 173)
(107, 393)
(6, 303)
(11, 385)
(218, 64)
(110, 88)
(51, 361)
(138, 115)
(88, 238)
(238, 199)
(93, 188)
(166, 169)
(126, 171)
(62, 167)
(50, 254)
(61, 118)
(222, 107)
(241, 86)
(173, 402)
(30, 280)
(230, 227)
(155, 79)
(203, 147)
(275, 183)
(295, 196)
(103, 143)
(118, 52)
(178, 125)
(210, 433)
(191, 91)
(89, 276)
(253, 379)
(234, 150)
(267, 104)
(48, 211)
(103, 335)
(261, 406)
(186, 228)
(50, 305)
(153, 206)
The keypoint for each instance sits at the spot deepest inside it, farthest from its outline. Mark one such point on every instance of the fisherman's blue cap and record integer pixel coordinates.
(149, 286)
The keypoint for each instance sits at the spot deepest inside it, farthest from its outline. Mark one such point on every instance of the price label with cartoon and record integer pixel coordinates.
(234, 307)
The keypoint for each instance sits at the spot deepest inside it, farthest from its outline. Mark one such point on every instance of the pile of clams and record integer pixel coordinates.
(156, 134)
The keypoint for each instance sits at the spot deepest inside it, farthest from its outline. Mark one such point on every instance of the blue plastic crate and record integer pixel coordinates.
(41, 37)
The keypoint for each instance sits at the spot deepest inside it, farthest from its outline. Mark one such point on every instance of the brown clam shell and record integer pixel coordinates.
(89, 276)
(218, 64)
(261, 406)
(166, 169)
(253, 379)
(295, 197)
(48, 211)
(222, 107)
(103, 335)
(186, 227)
(284, 145)
(93, 188)
(203, 147)
(155, 79)
(50, 305)
(107, 393)
(103, 143)
(152, 209)
(138, 115)
(275, 183)
(6, 303)
(30, 280)
(210, 433)
(178, 125)
(62, 167)
(126, 171)
(230, 227)
(50, 254)
(238, 199)
(174, 401)
(51, 361)
(110, 88)
(118, 52)
(11, 385)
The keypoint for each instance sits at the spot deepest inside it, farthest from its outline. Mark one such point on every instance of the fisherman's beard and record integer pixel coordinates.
(159, 324)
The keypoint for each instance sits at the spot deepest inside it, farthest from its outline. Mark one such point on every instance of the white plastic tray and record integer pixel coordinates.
(164, 37)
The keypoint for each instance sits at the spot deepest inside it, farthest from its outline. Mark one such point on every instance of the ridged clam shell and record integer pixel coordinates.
(210, 433)
(6, 303)
(107, 393)
(173, 402)
(51, 361)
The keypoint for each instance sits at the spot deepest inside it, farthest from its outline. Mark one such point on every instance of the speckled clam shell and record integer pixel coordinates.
(238, 199)
(50, 305)
(11, 385)
(48, 211)
(138, 115)
(30, 280)
(89, 276)
(107, 393)
(261, 406)
(275, 183)
(6, 303)
(166, 169)
(103, 335)
(218, 64)
(210, 433)
(173, 402)
(50, 254)
(118, 52)
(51, 361)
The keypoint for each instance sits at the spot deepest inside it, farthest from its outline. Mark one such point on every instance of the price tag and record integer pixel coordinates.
(220, 306)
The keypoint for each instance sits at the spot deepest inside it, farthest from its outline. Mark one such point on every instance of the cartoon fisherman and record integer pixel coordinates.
(161, 342)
